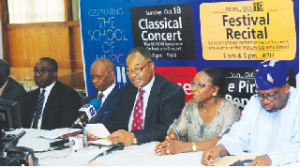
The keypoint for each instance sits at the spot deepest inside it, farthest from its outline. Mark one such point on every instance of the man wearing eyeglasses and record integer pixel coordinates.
(147, 106)
(269, 127)
(53, 104)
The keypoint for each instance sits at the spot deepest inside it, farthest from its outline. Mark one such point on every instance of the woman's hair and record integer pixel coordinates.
(217, 78)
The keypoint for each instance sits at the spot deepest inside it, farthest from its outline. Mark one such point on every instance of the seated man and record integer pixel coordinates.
(269, 126)
(9, 88)
(103, 78)
(53, 104)
(147, 106)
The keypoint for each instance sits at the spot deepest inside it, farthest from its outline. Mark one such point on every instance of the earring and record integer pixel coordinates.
(214, 94)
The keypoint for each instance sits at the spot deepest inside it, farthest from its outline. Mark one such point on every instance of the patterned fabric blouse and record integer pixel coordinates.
(190, 127)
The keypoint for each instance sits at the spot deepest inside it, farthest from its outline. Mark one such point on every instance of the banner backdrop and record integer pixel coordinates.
(186, 36)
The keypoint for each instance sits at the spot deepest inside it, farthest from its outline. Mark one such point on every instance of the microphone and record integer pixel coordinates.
(76, 143)
(9, 141)
(118, 146)
(87, 111)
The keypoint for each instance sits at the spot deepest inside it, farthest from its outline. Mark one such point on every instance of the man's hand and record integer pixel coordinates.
(263, 160)
(121, 136)
(91, 137)
(210, 155)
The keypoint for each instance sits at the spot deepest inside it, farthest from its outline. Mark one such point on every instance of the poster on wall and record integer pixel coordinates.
(186, 36)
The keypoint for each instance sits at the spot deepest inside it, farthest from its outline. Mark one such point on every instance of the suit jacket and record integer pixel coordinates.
(165, 103)
(109, 105)
(61, 108)
(14, 91)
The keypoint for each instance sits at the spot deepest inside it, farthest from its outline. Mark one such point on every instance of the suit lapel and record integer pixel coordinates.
(8, 85)
(129, 99)
(153, 99)
(51, 98)
(106, 103)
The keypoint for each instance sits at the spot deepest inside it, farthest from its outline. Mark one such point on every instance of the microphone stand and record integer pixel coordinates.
(84, 138)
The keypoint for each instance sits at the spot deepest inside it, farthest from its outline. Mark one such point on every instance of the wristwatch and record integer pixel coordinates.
(194, 147)
(135, 141)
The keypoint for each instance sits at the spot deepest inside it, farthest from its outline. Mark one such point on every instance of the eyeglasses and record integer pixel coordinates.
(271, 97)
(42, 72)
(197, 85)
(137, 70)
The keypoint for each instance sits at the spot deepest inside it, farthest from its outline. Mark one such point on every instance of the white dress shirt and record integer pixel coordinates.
(106, 93)
(147, 89)
(46, 95)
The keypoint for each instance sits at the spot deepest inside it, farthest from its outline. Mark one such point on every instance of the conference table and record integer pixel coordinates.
(134, 155)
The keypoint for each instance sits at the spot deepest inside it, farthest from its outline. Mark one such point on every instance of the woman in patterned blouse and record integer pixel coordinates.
(204, 119)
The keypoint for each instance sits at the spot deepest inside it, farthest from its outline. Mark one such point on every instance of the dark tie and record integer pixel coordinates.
(100, 96)
(137, 123)
(39, 108)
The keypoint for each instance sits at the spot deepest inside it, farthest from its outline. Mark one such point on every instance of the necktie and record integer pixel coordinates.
(39, 108)
(137, 123)
(100, 96)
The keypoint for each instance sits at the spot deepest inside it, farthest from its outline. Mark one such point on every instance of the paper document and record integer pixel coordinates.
(231, 159)
(104, 142)
(55, 133)
(98, 130)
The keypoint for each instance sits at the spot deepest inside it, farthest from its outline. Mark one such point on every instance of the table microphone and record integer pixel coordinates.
(87, 111)
(118, 146)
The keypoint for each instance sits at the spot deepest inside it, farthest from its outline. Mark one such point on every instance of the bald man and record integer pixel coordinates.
(102, 76)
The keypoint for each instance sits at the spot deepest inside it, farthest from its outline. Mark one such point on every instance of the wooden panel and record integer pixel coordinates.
(75, 47)
(26, 46)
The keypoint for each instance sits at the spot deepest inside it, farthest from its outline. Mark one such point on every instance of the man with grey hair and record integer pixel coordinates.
(103, 78)
(9, 88)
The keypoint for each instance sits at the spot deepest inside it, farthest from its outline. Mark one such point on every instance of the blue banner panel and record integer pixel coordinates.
(186, 36)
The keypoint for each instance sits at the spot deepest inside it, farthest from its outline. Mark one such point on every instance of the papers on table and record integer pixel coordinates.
(101, 132)
(55, 133)
(231, 159)
(98, 130)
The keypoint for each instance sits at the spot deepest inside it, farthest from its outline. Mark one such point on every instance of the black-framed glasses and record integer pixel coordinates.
(271, 97)
(42, 72)
(198, 85)
(137, 70)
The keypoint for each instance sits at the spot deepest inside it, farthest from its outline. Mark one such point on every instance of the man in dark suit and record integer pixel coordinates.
(103, 78)
(9, 88)
(147, 106)
(53, 104)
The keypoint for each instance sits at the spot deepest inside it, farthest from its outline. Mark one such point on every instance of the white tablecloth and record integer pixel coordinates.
(135, 155)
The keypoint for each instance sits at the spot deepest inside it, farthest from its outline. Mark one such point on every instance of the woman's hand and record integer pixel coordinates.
(171, 146)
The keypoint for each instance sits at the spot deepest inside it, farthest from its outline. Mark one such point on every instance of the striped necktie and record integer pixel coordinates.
(39, 108)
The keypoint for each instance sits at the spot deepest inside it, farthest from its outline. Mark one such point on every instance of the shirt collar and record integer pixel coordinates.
(3, 87)
(148, 86)
(48, 88)
(108, 90)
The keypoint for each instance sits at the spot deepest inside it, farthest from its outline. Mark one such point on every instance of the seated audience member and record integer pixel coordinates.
(9, 88)
(53, 104)
(205, 118)
(269, 126)
(147, 106)
(103, 78)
